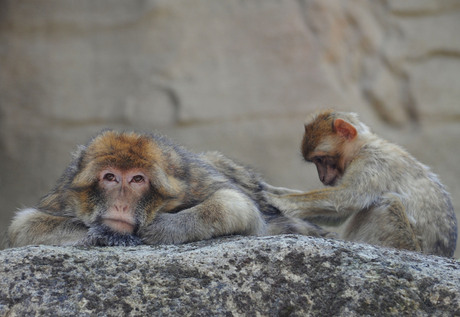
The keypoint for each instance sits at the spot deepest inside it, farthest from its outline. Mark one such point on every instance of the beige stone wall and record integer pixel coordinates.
(234, 76)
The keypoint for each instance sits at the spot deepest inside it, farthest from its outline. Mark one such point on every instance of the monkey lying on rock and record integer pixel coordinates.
(391, 199)
(127, 189)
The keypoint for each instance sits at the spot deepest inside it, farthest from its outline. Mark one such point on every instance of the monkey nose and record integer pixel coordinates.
(121, 208)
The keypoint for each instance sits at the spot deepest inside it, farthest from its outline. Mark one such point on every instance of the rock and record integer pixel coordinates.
(269, 276)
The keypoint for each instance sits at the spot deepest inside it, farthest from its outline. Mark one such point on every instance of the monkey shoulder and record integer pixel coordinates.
(233, 170)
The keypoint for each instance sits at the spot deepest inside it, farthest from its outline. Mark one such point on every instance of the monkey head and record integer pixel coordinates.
(331, 141)
(120, 182)
(123, 190)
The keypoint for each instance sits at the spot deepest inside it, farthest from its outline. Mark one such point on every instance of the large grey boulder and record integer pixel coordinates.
(266, 276)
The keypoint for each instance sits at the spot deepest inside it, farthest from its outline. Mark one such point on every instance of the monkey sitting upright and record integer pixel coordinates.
(392, 199)
(128, 188)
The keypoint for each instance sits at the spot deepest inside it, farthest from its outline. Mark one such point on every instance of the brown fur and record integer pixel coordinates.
(315, 132)
(181, 197)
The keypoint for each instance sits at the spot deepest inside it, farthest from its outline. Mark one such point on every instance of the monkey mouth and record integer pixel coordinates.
(120, 225)
(330, 182)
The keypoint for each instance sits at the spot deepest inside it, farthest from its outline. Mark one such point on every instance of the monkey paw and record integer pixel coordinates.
(103, 236)
(331, 235)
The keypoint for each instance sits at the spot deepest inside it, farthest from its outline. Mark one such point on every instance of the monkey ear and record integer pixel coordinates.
(345, 129)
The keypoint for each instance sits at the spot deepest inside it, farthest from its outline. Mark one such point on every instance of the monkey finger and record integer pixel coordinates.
(102, 236)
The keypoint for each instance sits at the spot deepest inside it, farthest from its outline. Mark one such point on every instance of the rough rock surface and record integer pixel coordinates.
(266, 276)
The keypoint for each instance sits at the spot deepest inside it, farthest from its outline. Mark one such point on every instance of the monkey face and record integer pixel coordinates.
(331, 144)
(328, 169)
(123, 181)
(123, 190)
(114, 186)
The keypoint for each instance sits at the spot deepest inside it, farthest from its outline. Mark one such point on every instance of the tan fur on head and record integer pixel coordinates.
(118, 150)
(317, 127)
(319, 130)
(123, 150)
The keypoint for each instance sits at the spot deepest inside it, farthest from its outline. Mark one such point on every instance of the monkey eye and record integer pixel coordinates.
(138, 179)
(317, 160)
(110, 177)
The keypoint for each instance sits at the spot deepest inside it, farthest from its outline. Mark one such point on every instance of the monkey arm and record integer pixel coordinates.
(227, 211)
(31, 226)
(279, 190)
(332, 205)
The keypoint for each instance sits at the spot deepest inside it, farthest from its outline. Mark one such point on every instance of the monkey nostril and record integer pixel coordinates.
(121, 208)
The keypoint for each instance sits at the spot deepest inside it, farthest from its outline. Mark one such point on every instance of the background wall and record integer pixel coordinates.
(235, 76)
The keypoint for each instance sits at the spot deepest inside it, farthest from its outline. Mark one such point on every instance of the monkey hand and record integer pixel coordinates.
(332, 235)
(104, 236)
(287, 204)
(174, 228)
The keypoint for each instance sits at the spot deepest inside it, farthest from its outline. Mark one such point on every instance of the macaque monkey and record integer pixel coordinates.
(389, 197)
(125, 189)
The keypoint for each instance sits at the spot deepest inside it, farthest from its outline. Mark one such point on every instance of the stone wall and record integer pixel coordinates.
(234, 76)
